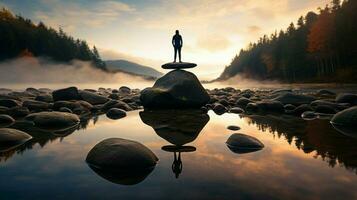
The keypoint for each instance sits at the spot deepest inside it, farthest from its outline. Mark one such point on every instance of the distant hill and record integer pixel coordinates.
(131, 68)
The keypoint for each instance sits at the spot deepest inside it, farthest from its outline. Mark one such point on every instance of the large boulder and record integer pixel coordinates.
(53, 120)
(11, 138)
(241, 143)
(65, 94)
(346, 121)
(177, 89)
(117, 153)
(92, 97)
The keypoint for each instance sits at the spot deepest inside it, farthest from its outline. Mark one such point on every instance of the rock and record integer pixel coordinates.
(316, 103)
(93, 98)
(324, 92)
(116, 104)
(11, 138)
(125, 90)
(308, 115)
(325, 109)
(251, 107)
(6, 120)
(243, 101)
(44, 98)
(346, 121)
(347, 98)
(176, 89)
(18, 112)
(219, 109)
(241, 143)
(115, 113)
(295, 99)
(34, 105)
(280, 91)
(65, 109)
(233, 128)
(53, 120)
(270, 106)
(224, 102)
(178, 127)
(114, 96)
(302, 108)
(9, 103)
(236, 110)
(65, 94)
(289, 107)
(178, 65)
(117, 153)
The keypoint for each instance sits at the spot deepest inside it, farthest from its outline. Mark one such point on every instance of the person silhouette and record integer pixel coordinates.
(177, 43)
(177, 165)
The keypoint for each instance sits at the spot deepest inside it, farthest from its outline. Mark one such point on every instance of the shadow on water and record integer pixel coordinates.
(315, 136)
(178, 127)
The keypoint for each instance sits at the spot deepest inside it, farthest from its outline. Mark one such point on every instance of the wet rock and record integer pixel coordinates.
(178, 127)
(176, 89)
(93, 98)
(347, 98)
(324, 92)
(116, 104)
(117, 153)
(44, 98)
(11, 138)
(9, 103)
(114, 96)
(270, 106)
(53, 120)
(233, 128)
(236, 110)
(325, 109)
(295, 99)
(6, 120)
(289, 107)
(65, 94)
(219, 109)
(65, 109)
(81, 106)
(241, 143)
(115, 113)
(346, 121)
(18, 112)
(125, 90)
(34, 105)
(309, 115)
(3, 109)
(224, 102)
(243, 101)
(178, 65)
(316, 103)
(302, 108)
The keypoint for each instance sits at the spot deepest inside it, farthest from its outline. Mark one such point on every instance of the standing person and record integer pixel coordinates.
(177, 43)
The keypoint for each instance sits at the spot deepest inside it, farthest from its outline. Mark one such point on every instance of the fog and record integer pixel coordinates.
(39, 72)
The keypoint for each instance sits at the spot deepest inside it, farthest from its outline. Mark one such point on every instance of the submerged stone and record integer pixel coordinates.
(241, 143)
(178, 65)
(53, 120)
(11, 138)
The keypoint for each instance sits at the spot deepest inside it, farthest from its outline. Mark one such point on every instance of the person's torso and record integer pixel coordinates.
(177, 40)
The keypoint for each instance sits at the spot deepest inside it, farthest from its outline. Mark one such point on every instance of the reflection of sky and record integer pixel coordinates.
(213, 30)
(278, 171)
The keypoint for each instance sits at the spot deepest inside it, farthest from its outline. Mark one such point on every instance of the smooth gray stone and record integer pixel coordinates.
(178, 65)
(11, 138)
(53, 120)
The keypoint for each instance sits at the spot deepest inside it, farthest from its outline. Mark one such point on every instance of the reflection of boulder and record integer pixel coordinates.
(178, 127)
(123, 177)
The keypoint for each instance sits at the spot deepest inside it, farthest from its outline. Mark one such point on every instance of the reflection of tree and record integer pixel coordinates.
(309, 136)
(40, 137)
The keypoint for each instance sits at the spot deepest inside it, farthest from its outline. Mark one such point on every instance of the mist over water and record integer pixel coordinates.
(39, 72)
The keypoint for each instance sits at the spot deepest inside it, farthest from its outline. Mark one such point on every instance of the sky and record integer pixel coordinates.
(213, 31)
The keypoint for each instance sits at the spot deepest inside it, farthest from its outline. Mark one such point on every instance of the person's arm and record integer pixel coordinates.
(181, 41)
(173, 41)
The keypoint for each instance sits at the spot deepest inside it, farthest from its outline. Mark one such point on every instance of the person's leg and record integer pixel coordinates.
(179, 51)
(175, 49)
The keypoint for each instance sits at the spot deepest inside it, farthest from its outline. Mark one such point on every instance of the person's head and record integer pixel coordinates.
(177, 32)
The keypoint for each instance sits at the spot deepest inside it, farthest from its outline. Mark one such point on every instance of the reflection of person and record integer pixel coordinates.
(177, 165)
(177, 43)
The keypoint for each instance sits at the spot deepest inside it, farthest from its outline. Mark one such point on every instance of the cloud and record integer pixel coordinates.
(254, 29)
(73, 16)
(213, 43)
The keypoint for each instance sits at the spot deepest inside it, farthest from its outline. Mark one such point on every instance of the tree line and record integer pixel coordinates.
(321, 47)
(20, 36)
